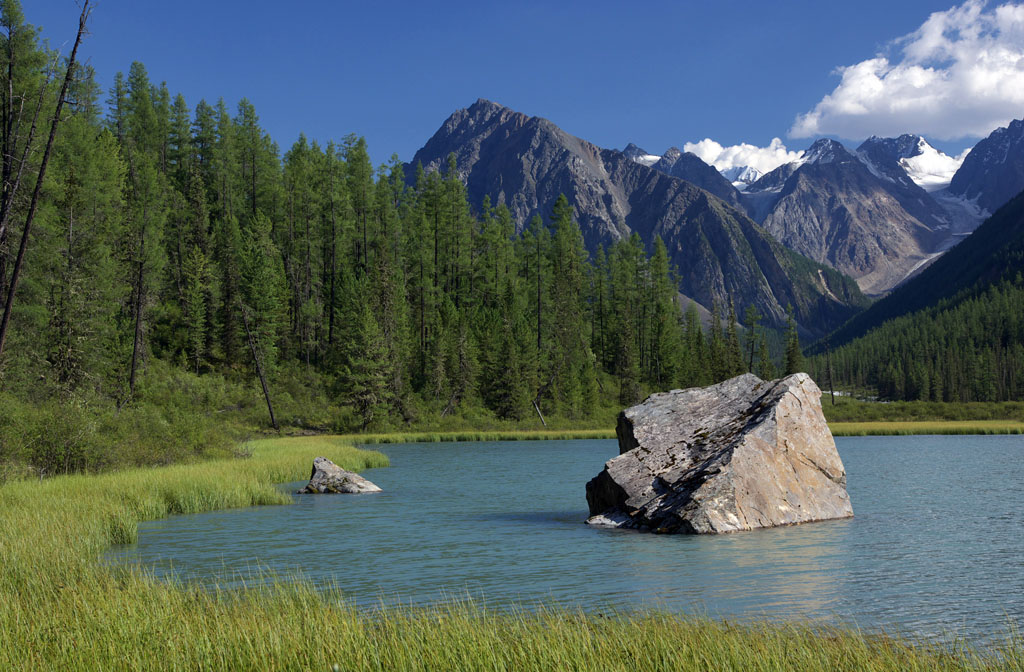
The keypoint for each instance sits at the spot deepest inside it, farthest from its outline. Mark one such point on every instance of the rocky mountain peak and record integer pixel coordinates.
(690, 167)
(640, 155)
(632, 151)
(993, 172)
(903, 147)
(827, 150)
(860, 213)
(672, 154)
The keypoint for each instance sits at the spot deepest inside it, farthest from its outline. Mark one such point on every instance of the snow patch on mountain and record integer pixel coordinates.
(965, 215)
(742, 176)
(931, 169)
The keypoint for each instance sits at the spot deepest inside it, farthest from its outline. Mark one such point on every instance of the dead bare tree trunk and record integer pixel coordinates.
(537, 408)
(33, 206)
(259, 367)
(11, 186)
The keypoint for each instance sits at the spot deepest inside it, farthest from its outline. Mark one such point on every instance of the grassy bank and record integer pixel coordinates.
(907, 428)
(497, 435)
(63, 610)
(882, 428)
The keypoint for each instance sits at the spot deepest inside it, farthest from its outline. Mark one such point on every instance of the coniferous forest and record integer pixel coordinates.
(181, 270)
(965, 349)
(177, 279)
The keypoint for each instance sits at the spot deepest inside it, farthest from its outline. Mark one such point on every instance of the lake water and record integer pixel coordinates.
(936, 546)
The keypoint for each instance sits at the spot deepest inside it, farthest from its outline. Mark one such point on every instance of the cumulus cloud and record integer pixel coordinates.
(961, 74)
(764, 159)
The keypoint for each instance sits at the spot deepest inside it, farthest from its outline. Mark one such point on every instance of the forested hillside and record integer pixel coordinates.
(954, 333)
(181, 271)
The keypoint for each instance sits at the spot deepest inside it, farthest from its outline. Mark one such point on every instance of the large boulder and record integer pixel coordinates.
(735, 456)
(328, 477)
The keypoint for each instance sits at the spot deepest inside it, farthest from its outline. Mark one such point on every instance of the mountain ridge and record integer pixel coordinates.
(526, 162)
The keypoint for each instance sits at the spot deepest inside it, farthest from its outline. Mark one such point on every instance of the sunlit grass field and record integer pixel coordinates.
(62, 609)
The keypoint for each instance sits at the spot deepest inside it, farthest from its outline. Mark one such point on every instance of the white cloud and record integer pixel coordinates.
(961, 74)
(764, 159)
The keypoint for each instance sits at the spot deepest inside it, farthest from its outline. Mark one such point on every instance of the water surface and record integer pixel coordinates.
(936, 546)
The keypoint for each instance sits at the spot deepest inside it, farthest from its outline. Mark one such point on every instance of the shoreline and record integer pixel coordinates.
(838, 428)
(926, 427)
(65, 609)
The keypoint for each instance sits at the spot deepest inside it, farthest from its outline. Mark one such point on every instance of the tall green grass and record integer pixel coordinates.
(881, 428)
(910, 428)
(61, 609)
(495, 435)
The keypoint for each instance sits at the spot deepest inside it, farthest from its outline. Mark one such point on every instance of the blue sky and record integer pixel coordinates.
(655, 73)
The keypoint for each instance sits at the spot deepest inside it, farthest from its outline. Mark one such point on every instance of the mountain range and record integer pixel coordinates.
(721, 254)
(884, 211)
(878, 214)
(992, 254)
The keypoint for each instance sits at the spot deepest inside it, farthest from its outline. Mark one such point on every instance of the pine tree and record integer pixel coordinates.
(698, 370)
(263, 302)
(734, 354)
(202, 141)
(510, 373)
(794, 355)
(752, 320)
(364, 378)
(22, 68)
(628, 368)
(571, 361)
(359, 184)
(765, 366)
(162, 111)
(263, 288)
(717, 353)
(78, 273)
(179, 146)
(197, 278)
(11, 15)
(665, 362)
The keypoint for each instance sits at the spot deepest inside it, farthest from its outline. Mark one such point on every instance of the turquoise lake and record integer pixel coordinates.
(936, 547)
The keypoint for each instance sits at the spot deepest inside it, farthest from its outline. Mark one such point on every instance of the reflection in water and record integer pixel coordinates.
(933, 548)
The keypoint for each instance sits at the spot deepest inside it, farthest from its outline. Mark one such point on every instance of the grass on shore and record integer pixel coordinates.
(62, 609)
(908, 428)
(496, 435)
(879, 428)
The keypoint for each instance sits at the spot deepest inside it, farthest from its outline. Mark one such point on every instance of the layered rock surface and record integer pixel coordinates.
(739, 455)
(327, 477)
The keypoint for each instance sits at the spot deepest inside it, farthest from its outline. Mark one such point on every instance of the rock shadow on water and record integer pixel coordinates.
(547, 518)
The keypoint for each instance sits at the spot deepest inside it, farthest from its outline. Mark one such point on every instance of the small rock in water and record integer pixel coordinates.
(739, 455)
(327, 477)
